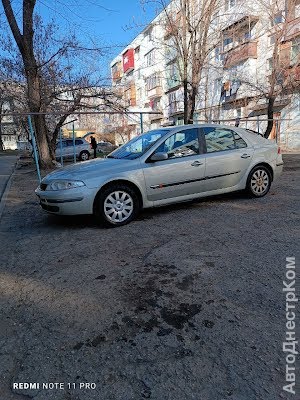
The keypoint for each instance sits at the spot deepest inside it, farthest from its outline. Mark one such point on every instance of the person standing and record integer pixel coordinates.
(94, 146)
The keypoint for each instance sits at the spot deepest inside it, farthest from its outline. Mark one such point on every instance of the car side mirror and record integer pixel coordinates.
(160, 156)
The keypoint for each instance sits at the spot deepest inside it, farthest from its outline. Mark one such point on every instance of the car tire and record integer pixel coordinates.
(84, 155)
(259, 181)
(116, 205)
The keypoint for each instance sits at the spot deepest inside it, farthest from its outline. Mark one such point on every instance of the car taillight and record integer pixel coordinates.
(279, 150)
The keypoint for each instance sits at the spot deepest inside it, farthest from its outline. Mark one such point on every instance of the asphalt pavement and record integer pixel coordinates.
(7, 165)
(184, 303)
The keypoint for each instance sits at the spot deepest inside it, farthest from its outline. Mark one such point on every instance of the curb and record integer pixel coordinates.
(6, 190)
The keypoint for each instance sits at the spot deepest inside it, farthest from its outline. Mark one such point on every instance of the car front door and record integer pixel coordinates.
(227, 158)
(182, 173)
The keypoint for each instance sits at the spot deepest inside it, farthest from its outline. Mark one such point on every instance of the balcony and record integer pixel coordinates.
(240, 53)
(158, 116)
(155, 92)
(241, 21)
(292, 29)
(292, 75)
(116, 71)
(116, 75)
(130, 96)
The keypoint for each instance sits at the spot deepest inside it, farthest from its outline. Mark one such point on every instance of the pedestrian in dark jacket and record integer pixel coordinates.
(94, 146)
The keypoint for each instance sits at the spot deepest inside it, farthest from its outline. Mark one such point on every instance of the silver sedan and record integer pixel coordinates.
(163, 166)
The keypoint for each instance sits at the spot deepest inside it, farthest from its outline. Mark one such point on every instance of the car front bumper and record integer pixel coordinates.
(67, 202)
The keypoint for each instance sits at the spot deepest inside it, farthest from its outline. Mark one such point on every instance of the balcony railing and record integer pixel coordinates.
(240, 53)
(239, 21)
(155, 92)
(292, 29)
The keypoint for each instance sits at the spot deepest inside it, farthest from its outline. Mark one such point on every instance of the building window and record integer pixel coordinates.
(229, 4)
(218, 54)
(150, 58)
(247, 36)
(139, 93)
(152, 82)
(173, 76)
(148, 34)
(137, 53)
(172, 102)
(295, 51)
(270, 64)
(272, 39)
(227, 41)
(278, 18)
(155, 104)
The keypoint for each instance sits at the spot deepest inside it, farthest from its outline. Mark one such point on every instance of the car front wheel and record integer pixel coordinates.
(117, 205)
(259, 182)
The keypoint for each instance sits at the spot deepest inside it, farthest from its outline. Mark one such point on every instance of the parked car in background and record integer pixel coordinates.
(82, 149)
(105, 147)
(164, 166)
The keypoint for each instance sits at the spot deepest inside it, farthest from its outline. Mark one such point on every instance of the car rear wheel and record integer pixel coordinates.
(259, 182)
(117, 205)
(84, 155)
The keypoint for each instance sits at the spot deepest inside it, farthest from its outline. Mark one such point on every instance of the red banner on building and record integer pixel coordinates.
(128, 60)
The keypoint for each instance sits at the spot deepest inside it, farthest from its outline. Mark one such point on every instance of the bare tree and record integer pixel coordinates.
(191, 37)
(278, 76)
(53, 79)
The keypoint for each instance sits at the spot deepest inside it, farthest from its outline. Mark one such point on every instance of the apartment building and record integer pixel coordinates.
(12, 133)
(253, 55)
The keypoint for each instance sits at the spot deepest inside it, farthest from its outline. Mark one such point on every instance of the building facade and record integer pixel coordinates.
(252, 56)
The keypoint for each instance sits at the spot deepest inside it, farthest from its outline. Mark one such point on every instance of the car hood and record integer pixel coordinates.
(91, 169)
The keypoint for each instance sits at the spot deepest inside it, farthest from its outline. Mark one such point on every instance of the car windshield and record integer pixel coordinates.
(138, 145)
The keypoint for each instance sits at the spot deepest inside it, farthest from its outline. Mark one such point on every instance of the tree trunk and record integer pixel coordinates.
(24, 42)
(270, 114)
(185, 102)
(192, 105)
(39, 121)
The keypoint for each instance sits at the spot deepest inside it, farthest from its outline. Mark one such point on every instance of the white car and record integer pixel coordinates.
(82, 149)
(164, 166)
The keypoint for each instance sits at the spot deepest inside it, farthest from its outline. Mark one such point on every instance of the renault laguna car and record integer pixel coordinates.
(163, 166)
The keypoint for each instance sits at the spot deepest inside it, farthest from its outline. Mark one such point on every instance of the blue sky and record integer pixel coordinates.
(108, 23)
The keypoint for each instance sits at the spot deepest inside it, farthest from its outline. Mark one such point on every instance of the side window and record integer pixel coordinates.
(239, 142)
(181, 144)
(69, 143)
(219, 139)
(78, 142)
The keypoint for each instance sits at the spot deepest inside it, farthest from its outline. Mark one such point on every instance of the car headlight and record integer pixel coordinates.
(64, 185)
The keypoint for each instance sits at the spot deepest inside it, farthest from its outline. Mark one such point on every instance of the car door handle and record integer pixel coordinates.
(196, 163)
(245, 156)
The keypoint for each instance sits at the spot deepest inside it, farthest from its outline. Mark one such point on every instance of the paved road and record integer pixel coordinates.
(7, 164)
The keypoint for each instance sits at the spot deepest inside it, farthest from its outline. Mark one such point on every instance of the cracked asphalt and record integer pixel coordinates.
(184, 303)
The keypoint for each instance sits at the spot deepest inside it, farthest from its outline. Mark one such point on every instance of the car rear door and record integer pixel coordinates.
(228, 157)
(182, 173)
